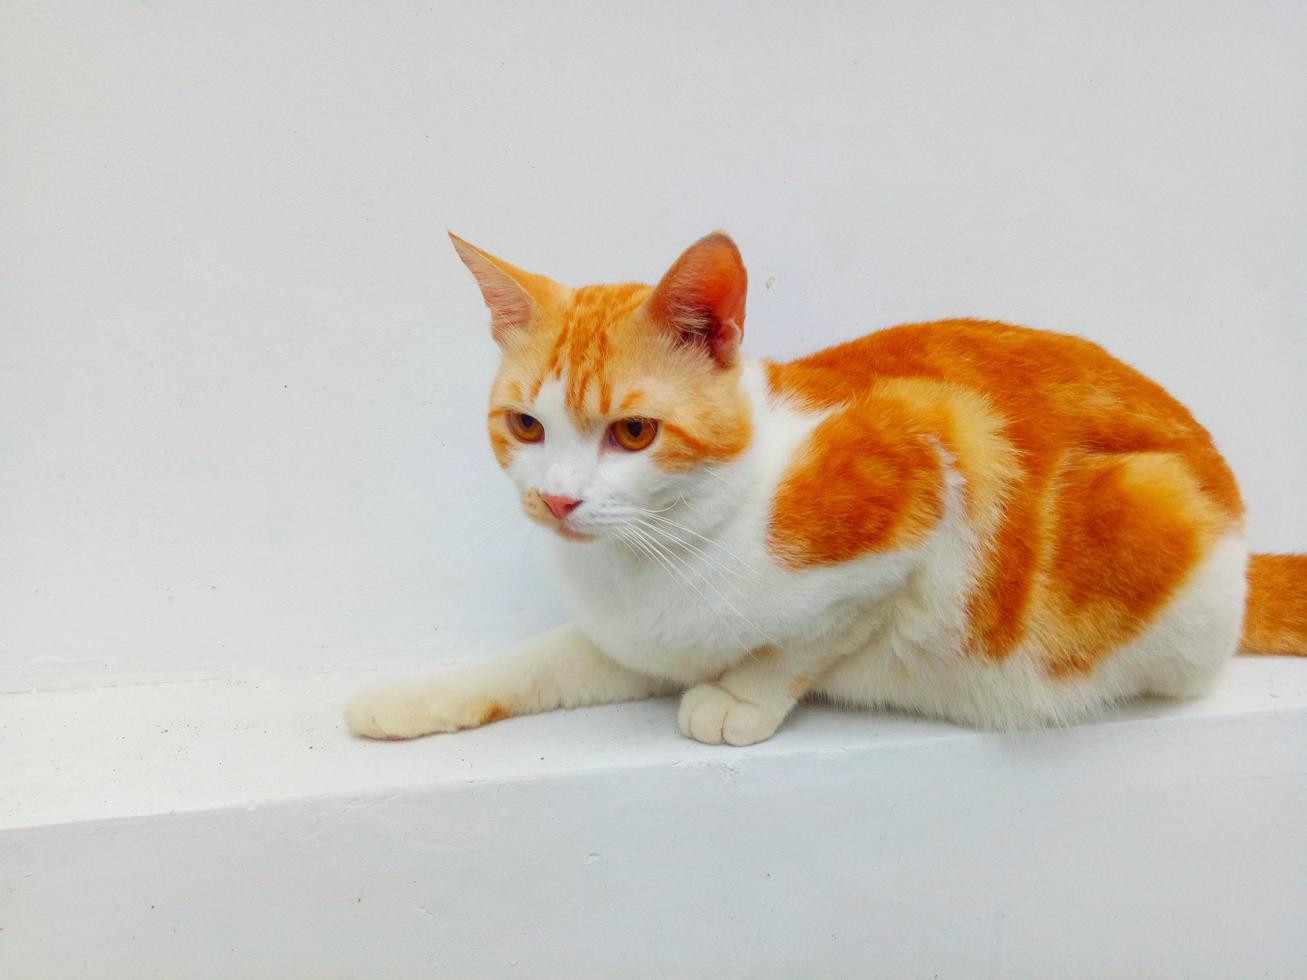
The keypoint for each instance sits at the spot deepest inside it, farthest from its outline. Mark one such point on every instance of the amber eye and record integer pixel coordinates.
(633, 434)
(525, 428)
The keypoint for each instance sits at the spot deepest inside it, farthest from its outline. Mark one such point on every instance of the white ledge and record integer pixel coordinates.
(232, 827)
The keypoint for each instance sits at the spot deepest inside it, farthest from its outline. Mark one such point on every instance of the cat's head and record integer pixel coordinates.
(613, 403)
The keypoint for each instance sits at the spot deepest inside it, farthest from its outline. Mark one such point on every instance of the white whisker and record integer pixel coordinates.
(702, 537)
(739, 576)
(712, 585)
(669, 561)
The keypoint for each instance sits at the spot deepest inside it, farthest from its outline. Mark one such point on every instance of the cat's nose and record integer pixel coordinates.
(560, 507)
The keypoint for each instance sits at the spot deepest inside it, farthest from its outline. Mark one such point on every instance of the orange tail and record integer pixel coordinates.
(1275, 619)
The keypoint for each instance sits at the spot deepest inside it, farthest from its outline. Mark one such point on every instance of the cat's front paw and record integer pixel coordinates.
(714, 715)
(390, 711)
(396, 711)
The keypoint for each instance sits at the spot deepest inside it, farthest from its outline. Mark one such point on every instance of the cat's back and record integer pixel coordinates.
(1013, 365)
(1052, 392)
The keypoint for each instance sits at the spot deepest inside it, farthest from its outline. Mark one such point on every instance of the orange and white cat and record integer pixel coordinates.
(1000, 526)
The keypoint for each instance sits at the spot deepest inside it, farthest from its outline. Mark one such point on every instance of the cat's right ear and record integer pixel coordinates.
(701, 298)
(514, 297)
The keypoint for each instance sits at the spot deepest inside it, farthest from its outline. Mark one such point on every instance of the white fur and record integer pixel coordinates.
(692, 602)
(1179, 655)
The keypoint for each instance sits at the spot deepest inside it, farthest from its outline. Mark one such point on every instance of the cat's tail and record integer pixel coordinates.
(1275, 617)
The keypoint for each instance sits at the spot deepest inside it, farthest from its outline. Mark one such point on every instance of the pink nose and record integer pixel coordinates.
(560, 507)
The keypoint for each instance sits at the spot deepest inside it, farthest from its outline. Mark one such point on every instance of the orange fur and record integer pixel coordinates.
(1048, 430)
(868, 480)
(618, 357)
(1276, 617)
(493, 712)
(1128, 530)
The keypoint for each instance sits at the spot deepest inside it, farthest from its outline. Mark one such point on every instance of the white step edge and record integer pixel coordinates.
(231, 828)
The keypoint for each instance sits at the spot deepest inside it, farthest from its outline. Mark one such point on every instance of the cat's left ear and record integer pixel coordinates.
(514, 297)
(701, 298)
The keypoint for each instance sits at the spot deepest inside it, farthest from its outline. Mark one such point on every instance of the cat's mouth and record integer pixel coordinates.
(561, 522)
(563, 527)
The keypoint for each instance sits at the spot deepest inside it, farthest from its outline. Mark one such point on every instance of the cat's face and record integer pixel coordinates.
(612, 403)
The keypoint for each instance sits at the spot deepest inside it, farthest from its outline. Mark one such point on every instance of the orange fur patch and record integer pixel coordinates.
(868, 480)
(1129, 529)
(1038, 413)
(1276, 616)
(501, 445)
(494, 711)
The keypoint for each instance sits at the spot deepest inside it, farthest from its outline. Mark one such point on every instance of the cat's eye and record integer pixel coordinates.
(525, 428)
(633, 434)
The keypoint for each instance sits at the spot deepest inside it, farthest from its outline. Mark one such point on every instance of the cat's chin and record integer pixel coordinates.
(567, 534)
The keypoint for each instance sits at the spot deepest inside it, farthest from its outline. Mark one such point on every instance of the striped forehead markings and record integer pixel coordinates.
(581, 349)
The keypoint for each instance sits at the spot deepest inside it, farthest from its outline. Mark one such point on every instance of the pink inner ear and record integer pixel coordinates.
(702, 297)
(510, 305)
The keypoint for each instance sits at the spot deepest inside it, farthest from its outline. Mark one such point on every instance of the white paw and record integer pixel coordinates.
(395, 711)
(713, 715)
(389, 711)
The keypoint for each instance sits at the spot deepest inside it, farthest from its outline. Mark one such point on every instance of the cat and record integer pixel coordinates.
(983, 523)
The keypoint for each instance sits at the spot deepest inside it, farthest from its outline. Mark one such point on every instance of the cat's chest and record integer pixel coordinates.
(682, 614)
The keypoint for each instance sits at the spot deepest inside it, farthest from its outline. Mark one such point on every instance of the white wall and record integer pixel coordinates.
(242, 375)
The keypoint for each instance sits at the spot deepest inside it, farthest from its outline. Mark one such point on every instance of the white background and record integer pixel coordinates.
(243, 375)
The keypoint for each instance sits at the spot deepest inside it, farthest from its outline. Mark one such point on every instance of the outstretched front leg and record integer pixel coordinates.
(748, 703)
(557, 669)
